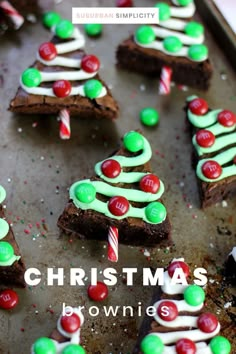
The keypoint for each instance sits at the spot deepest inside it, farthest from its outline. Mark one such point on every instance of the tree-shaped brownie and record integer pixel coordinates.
(124, 195)
(214, 142)
(181, 322)
(64, 80)
(65, 339)
(12, 267)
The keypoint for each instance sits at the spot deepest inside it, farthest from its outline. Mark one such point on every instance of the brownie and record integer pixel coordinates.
(77, 104)
(86, 222)
(157, 331)
(12, 275)
(230, 267)
(214, 144)
(25, 8)
(134, 56)
(65, 335)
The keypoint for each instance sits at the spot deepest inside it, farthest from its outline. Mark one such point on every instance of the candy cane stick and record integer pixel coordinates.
(64, 117)
(113, 244)
(165, 80)
(12, 14)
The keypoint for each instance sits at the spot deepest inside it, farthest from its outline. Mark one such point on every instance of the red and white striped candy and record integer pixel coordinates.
(165, 80)
(113, 244)
(16, 18)
(64, 117)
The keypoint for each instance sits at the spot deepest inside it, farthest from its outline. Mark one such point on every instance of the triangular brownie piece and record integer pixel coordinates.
(66, 337)
(214, 145)
(124, 194)
(12, 267)
(176, 43)
(179, 321)
(64, 77)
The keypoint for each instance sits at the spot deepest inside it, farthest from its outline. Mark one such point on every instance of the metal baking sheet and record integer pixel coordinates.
(37, 168)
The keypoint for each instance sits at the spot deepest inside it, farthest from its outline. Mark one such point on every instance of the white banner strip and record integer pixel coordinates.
(115, 15)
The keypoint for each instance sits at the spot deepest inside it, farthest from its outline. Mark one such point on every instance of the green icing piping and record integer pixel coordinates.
(222, 158)
(124, 177)
(10, 261)
(2, 194)
(219, 143)
(5, 229)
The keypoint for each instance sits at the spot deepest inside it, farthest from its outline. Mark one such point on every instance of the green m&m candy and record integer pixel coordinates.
(44, 345)
(194, 29)
(194, 295)
(220, 345)
(51, 18)
(145, 35)
(133, 141)
(93, 29)
(164, 11)
(152, 344)
(74, 349)
(92, 88)
(3, 194)
(64, 29)
(6, 251)
(172, 44)
(184, 2)
(149, 116)
(31, 77)
(198, 52)
(155, 212)
(85, 192)
(4, 228)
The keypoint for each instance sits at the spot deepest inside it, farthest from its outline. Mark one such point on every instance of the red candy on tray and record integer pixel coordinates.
(47, 51)
(70, 323)
(111, 168)
(8, 299)
(98, 292)
(90, 63)
(150, 183)
(61, 88)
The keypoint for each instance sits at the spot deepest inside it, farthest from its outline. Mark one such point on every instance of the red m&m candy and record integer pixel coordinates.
(70, 323)
(211, 169)
(118, 205)
(167, 310)
(90, 63)
(226, 118)
(178, 264)
(8, 299)
(62, 88)
(111, 168)
(205, 138)
(150, 183)
(207, 322)
(198, 106)
(47, 51)
(124, 3)
(98, 292)
(185, 346)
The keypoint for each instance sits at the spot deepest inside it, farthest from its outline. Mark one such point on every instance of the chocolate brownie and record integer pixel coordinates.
(24, 8)
(123, 194)
(12, 267)
(65, 338)
(181, 321)
(64, 77)
(175, 43)
(230, 267)
(214, 142)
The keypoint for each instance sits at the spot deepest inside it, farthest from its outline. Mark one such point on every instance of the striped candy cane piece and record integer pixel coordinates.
(64, 117)
(113, 244)
(165, 80)
(16, 18)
